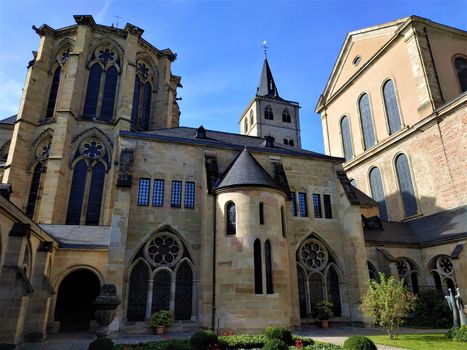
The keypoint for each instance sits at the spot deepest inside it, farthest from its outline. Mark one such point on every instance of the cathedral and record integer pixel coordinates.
(101, 184)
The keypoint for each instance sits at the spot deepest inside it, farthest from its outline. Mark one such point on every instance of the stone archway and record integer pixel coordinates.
(75, 296)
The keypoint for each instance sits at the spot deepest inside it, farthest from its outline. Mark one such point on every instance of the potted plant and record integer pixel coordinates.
(160, 320)
(323, 311)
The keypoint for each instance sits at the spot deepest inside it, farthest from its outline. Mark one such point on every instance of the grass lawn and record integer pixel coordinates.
(420, 342)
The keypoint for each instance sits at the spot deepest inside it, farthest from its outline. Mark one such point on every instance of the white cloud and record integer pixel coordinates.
(10, 94)
(100, 16)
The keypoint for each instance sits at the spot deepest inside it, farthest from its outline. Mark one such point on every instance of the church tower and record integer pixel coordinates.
(270, 115)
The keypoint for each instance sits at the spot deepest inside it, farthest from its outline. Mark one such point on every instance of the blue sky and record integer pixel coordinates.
(218, 46)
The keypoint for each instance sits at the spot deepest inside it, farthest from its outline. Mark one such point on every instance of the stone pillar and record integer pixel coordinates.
(39, 301)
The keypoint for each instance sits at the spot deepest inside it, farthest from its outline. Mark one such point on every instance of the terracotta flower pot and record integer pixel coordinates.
(324, 323)
(159, 330)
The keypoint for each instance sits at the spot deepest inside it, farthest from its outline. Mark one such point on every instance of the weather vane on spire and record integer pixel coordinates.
(265, 48)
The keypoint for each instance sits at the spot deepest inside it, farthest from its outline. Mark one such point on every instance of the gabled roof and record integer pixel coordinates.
(10, 120)
(246, 171)
(267, 87)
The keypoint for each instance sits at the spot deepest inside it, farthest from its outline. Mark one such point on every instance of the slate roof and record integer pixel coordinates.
(246, 171)
(441, 227)
(224, 140)
(10, 120)
(267, 87)
(79, 236)
(364, 198)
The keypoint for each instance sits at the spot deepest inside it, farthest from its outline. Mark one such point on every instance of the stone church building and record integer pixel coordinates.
(228, 231)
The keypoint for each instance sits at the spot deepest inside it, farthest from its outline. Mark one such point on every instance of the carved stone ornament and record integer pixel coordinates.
(313, 255)
(92, 149)
(165, 249)
(125, 168)
(444, 265)
(43, 150)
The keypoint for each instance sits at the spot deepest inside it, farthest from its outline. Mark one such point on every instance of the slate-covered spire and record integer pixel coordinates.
(267, 86)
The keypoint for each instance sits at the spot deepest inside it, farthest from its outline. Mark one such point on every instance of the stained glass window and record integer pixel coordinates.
(460, 63)
(268, 260)
(53, 94)
(302, 206)
(146, 106)
(317, 205)
(143, 191)
(92, 91)
(176, 198)
(258, 268)
(34, 191)
(261, 213)
(405, 185)
(183, 292)
(158, 193)
(367, 121)
(301, 291)
(135, 107)
(75, 202)
(161, 291)
(377, 192)
(231, 219)
(189, 194)
(294, 204)
(346, 139)
(316, 290)
(108, 98)
(137, 292)
(334, 291)
(392, 109)
(327, 206)
(95, 194)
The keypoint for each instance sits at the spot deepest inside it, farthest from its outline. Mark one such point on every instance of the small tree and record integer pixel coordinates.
(387, 303)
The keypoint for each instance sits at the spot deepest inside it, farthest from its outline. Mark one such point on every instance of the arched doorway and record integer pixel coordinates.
(77, 291)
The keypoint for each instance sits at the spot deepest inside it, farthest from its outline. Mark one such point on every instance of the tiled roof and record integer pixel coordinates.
(9, 120)
(79, 236)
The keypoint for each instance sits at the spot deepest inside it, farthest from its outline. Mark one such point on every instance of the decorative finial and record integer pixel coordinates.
(117, 17)
(265, 48)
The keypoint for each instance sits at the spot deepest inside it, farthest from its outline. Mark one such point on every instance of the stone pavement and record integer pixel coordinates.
(334, 335)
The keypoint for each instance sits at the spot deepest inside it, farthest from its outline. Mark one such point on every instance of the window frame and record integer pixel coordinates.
(456, 74)
(140, 202)
(371, 119)
(317, 210)
(352, 150)
(327, 208)
(156, 193)
(382, 187)
(230, 229)
(176, 197)
(415, 196)
(187, 194)
(397, 101)
(304, 206)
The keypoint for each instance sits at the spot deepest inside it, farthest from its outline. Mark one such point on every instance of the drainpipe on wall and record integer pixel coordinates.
(213, 310)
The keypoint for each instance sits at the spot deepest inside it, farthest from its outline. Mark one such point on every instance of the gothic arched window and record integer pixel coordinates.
(53, 94)
(268, 115)
(372, 272)
(392, 108)
(460, 64)
(102, 85)
(443, 274)
(258, 267)
(377, 192)
(183, 292)
(286, 118)
(286, 141)
(87, 185)
(231, 215)
(346, 139)
(334, 290)
(268, 261)
(142, 96)
(161, 291)
(252, 117)
(406, 185)
(137, 292)
(408, 273)
(246, 125)
(367, 121)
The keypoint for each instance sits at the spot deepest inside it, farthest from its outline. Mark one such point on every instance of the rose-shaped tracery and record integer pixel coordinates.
(92, 149)
(403, 268)
(106, 55)
(143, 69)
(163, 250)
(313, 255)
(444, 265)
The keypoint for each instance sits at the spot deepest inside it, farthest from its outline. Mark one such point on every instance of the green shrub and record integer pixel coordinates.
(279, 333)
(305, 340)
(358, 342)
(458, 334)
(323, 310)
(431, 310)
(162, 318)
(275, 344)
(101, 344)
(203, 339)
(322, 346)
(243, 341)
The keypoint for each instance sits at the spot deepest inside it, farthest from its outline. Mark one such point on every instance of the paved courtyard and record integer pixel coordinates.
(334, 335)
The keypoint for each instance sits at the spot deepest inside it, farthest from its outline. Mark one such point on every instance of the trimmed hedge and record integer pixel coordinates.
(245, 341)
(276, 344)
(458, 334)
(279, 333)
(358, 342)
(172, 344)
(203, 339)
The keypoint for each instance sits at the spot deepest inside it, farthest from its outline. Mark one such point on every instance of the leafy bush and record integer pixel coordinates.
(242, 341)
(279, 333)
(358, 342)
(458, 334)
(178, 346)
(101, 344)
(275, 344)
(431, 310)
(162, 318)
(202, 340)
(305, 340)
(322, 346)
(172, 344)
(323, 310)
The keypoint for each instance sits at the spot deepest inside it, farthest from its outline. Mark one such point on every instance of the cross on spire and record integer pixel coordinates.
(117, 17)
(265, 48)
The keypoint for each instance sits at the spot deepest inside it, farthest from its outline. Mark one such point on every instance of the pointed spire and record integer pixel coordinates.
(267, 86)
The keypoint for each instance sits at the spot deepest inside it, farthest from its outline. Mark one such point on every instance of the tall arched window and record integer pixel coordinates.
(443, 274)
(246, 125)
(252, 118)
(258, 267)
(286, 118)
(460, 64)
(102, 84)
(142, 96)
(406, 185)
(161, 291)
(346, 139)
(87, 183)
(268, 115)
(334, 290)
(34, 191)
(367, 121)
(53, 94)
(268, 261)
(408, 273)
(183, 292)
(137, 292)
(392, 108)
(377, 192)
(231, 215)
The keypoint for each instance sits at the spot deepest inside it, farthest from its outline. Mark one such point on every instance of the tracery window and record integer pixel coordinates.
(346, 139)
(286, 118)
(392, 108)
(268, 115)
(442, 271)
(377, 192)
(258, 267)
(142, 96)
(408, 273)
(161, 263)
(87, 185)
(372, 272)
(367, 121)
(102, 84)
(318, 277)
(268, 262)
(61, 59)
(231, 218)
(405, 185)
(460, 65)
